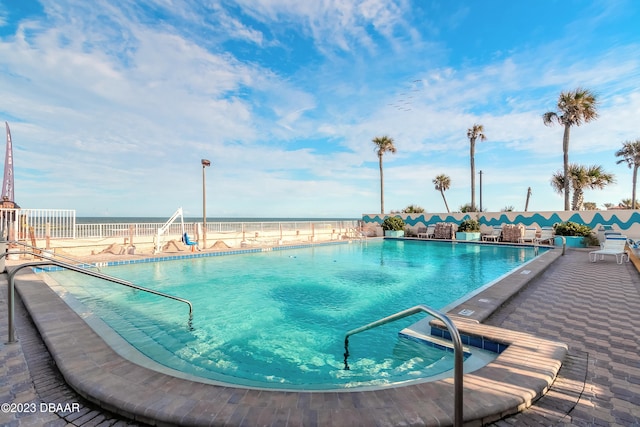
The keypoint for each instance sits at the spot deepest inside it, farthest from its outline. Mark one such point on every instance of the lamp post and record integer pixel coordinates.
(205, 163)
(480, 191)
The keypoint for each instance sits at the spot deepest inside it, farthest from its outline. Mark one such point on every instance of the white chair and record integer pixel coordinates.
(608, 234)
(613, 245)
(429, 233)
(495, 234)
(529, 235)
(546, 235)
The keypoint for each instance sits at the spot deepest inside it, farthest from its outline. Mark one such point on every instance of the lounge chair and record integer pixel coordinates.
(546, 235)
(494, 235)
(613, 245)
(608, 234)
(529, 235)
(633, 244)
(429, 233)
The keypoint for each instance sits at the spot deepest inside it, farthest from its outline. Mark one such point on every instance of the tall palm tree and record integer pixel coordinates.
(581, 178)
(574, 108)
(382, 145)
(442, 183)
(473, 133)
(630, 153)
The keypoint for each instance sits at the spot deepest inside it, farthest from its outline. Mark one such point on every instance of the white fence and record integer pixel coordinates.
(24, 224)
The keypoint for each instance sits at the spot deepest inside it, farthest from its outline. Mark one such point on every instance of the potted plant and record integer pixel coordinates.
(469, 229)
(576, 235)
(393, 226)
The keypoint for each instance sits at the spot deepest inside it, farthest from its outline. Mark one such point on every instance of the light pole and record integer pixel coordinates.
(480, 191)
(205, 163)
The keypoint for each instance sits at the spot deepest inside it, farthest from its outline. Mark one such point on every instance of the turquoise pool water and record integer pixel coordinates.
(278, 319)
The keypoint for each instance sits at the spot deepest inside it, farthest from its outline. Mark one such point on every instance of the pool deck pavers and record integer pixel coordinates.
(585, 315)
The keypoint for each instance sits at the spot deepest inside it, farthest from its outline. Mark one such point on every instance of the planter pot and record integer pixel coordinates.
(572, 241)
(394, 233)
(464, 235)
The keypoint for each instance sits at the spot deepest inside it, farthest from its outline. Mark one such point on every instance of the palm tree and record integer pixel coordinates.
(626, 203)
(581, 178)
(630, 153)
(574, 108)
(442, 183)
(383, 144)
(473, 133)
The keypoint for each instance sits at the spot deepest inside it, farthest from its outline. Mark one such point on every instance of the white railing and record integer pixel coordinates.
(101, 231)
(25, 224)
(22, 224)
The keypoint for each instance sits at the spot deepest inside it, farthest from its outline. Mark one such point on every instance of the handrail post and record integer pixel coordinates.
(458, 388)
(10, 306)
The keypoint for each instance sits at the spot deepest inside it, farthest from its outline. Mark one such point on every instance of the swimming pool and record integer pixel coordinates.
(277, 319)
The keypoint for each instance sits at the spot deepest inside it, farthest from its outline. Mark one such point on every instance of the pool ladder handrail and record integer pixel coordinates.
(11, 290)
(51, 254)
(457, 350)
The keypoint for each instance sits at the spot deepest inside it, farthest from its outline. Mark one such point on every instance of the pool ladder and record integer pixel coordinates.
(12, 274)
(457, 350)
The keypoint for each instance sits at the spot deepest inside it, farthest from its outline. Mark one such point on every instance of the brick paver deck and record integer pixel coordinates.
(594, 308)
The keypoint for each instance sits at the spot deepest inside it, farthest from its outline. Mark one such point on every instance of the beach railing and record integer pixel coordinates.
(107, 230)
(23, 224)
(61, 224)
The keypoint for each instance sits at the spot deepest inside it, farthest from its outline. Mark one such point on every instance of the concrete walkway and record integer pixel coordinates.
(593, 307)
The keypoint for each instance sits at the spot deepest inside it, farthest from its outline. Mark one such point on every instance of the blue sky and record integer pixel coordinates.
(112, 104)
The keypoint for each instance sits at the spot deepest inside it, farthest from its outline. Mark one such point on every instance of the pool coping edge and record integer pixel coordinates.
(521, 374)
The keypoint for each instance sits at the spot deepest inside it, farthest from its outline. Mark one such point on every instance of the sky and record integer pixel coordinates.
(112, 104)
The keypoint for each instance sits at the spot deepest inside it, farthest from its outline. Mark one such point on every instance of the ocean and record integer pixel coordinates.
(145, 220)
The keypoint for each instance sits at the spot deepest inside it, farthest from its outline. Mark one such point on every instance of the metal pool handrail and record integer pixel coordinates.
(457, 350)
(46, 253)
(11, 290)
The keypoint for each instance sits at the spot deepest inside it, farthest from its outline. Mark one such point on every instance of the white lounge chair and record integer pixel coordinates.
(429, 233)
(613, 245)
(546, 235)
(495, 234)
(529, 235)
(608, 234)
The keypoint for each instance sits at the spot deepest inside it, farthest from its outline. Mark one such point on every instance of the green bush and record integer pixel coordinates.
(571, 229)
(591, 240)
(469, 226)
(393, 223)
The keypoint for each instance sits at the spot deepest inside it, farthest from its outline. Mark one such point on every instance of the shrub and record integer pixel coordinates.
(393, 223)
(591, 240)
(413, 209)
(571, 229)
(469, 226)
(468, 208)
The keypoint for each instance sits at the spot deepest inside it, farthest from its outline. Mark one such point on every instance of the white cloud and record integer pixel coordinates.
(109, 107)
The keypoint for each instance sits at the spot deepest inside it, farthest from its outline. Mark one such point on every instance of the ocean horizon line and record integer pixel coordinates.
(158, 219)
